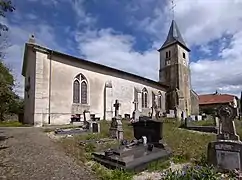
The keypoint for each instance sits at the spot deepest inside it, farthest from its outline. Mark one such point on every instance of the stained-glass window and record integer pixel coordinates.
(76, 91)
(84, 92)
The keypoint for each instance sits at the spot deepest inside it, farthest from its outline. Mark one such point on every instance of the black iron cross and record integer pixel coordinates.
(116, 105)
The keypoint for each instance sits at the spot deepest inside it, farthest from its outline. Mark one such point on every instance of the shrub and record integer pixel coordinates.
(192, 172)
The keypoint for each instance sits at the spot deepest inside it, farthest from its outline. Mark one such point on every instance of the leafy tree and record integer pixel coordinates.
(6, 90)
(5, 7)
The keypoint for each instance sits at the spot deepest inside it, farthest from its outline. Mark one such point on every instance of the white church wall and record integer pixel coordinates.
(29, 95)
(62, 75)
(41, 89)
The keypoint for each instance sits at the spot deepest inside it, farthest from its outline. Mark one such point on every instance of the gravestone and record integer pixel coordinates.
(76, 120)
(199, 118)
(136, 113)
(140, 152)
(116, 129)
(226, 152)
(90, 124)
(171, 114)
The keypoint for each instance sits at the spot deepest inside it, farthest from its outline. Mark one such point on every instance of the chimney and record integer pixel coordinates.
(32, 39)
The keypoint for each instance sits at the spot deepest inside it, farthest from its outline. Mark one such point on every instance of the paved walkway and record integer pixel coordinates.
(28, 154)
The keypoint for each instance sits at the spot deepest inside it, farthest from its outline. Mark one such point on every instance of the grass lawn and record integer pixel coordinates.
(187, 146)
(11, 124)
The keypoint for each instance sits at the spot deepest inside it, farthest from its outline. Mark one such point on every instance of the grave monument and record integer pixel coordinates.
(226, 152)
(136, 113)
(89, 126)
(116, 129)
(90, 123)
(138, 153)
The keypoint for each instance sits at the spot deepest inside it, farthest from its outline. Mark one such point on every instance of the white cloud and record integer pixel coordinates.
(116, 50)
(18, 35)
(201, 22)
(82, 17)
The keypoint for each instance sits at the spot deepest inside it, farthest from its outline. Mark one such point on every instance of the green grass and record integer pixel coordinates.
(11, 124)
(208, 122)
(187, 146)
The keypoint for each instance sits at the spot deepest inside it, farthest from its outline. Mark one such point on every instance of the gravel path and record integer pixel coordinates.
(28, 154)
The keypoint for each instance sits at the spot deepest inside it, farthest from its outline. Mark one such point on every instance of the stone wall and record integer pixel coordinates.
(194, 103)
(59, 73)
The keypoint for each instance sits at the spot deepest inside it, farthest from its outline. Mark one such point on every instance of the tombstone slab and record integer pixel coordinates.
(137, 154)
(226, 152)
(70, 131)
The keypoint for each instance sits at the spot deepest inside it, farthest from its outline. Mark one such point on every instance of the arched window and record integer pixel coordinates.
(159, 99)
(80, 89)
(84, 92)
(76, 91)
(144, 98)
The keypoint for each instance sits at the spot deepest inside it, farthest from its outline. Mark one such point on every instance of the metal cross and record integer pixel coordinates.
(116, 105)
(173, 5)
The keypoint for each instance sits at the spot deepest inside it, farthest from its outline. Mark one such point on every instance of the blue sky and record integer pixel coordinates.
(126, 35)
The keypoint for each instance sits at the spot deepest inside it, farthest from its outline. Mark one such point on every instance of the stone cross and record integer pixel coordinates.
(227, 129)
(116, 106)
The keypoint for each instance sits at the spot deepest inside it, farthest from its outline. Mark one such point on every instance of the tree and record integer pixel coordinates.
(5, 7)
(6, 90)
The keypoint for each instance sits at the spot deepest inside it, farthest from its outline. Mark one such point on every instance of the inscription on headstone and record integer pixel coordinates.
(226, 152)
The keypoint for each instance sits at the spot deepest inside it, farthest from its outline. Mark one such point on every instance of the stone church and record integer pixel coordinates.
(58, 85)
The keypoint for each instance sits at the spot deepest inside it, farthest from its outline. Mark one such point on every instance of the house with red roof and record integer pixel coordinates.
(209, 102)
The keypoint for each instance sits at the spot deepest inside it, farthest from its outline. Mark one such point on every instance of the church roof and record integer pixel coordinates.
(174, 36)
(90, 64)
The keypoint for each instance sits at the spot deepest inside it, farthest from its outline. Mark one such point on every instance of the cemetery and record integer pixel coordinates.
(156, 147)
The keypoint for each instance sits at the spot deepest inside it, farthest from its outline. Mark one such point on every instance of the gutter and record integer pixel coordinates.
(50, 77)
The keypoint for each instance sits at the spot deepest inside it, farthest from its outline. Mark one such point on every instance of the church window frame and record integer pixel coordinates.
(144, 98)
(184, 55)
(159, 99)
(80, 90)
(168, 54)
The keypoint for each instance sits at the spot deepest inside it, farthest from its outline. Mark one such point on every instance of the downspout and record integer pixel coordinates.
(50, 76)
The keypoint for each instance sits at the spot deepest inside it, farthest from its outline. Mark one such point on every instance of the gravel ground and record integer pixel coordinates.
(28, 154)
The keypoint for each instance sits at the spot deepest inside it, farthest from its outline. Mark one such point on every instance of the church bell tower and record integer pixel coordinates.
(175, 71)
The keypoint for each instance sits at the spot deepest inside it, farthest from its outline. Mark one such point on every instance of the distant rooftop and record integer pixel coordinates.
(215, 98)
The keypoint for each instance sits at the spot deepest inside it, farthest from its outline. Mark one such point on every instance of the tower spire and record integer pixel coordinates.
(173, 5)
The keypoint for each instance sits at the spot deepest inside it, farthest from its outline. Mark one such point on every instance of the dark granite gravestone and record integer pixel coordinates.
(226, 152)
(137, 154)
(90, 123)
(149, 128)
(95, 128)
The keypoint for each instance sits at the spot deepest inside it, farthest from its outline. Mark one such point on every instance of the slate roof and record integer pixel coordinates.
(174, 36)
(215, 99)
(121, 74)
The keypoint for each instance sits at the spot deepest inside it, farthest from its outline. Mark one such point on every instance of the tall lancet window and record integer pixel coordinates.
(84, 92)
(159, 99)
(80, 89)
(144, 98)
(76, 91)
